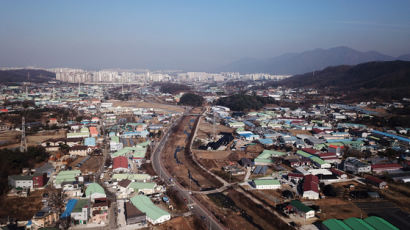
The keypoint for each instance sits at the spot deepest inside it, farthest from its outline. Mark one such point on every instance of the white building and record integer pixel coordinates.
(266, 184)
(355, 166)
(19, 181)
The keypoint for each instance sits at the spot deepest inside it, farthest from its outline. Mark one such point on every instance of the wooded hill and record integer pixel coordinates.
(390, 79)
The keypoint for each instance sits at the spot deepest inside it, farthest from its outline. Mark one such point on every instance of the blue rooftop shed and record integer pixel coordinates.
(69, 208)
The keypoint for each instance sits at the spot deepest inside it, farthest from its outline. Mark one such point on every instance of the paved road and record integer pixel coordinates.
(197, 207)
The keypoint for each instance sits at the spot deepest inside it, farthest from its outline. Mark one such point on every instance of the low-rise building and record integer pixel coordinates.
(81, 212)
(381, 168)
(266, 184)
(311, 187)
(21, 181)
(95, 191)
(79, 150)
(352, 164)
(154, 214)
(305, 211)
(120, 164)
(133, 215)
(376, 182)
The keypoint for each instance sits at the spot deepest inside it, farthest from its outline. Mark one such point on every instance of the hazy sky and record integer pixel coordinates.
(192, 35)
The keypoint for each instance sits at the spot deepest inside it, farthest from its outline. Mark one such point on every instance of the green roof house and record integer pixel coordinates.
(94, 191)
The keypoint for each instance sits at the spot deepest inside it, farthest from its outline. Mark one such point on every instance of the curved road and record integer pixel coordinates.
(196, 207)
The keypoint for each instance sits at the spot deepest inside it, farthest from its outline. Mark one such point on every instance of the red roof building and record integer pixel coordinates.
(93, 131)
(311, 187)
(311, 151)
(339, 173)
(376, 181)
(120, 164)
(379, 168)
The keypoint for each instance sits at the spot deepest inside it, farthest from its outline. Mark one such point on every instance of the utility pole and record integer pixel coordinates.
(213, 127)
(23, 144)
(79, 88)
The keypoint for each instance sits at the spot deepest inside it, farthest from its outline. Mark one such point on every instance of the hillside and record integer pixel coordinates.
(384, 79)
(20, 75)
(298, 63)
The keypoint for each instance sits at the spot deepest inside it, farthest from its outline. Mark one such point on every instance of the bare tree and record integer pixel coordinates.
(56, 200)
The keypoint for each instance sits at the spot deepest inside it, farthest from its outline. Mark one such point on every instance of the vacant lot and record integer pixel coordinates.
(21, 208)
(338, 208)
(142, 104)
(399, 194)
(13, 138)
(387, 210)
(178, 223)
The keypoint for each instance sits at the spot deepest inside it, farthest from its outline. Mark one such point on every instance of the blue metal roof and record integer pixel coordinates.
(392, 136)
(69, 208)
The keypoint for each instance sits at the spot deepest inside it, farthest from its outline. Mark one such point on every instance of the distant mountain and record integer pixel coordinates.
(405, 57)
(384, 79)
(21, 75)
(297, 63)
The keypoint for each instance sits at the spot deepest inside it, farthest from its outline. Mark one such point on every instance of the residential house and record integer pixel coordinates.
(21, 181)
(95, 191)
(99, 211)
(39, 179)
(80, 150)
(352, 164)
(300, 208)
(44, 218)
(81, 212)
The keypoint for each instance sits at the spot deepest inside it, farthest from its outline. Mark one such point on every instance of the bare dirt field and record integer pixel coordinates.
(398, 194)
(21, 208)
(206, 129)
(272, 197)
(142, 104)
(236, 211)
(92, 165)
(338, 208)
(295, 132)
(180, 164)
(230, 218)
(13, 137)
(178, 223)
(211, 155)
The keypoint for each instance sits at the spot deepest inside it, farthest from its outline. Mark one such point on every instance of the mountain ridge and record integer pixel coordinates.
(390, 79)
(21, 75)
(307, 61)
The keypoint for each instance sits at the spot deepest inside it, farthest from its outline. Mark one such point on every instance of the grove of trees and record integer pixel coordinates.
(191, 100)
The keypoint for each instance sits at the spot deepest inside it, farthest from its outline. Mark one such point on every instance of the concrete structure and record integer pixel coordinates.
(20, 181)
(81, 212)
(355, 166)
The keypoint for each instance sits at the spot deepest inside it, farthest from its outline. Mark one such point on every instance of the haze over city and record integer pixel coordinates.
(192, 35)
(199, 115)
